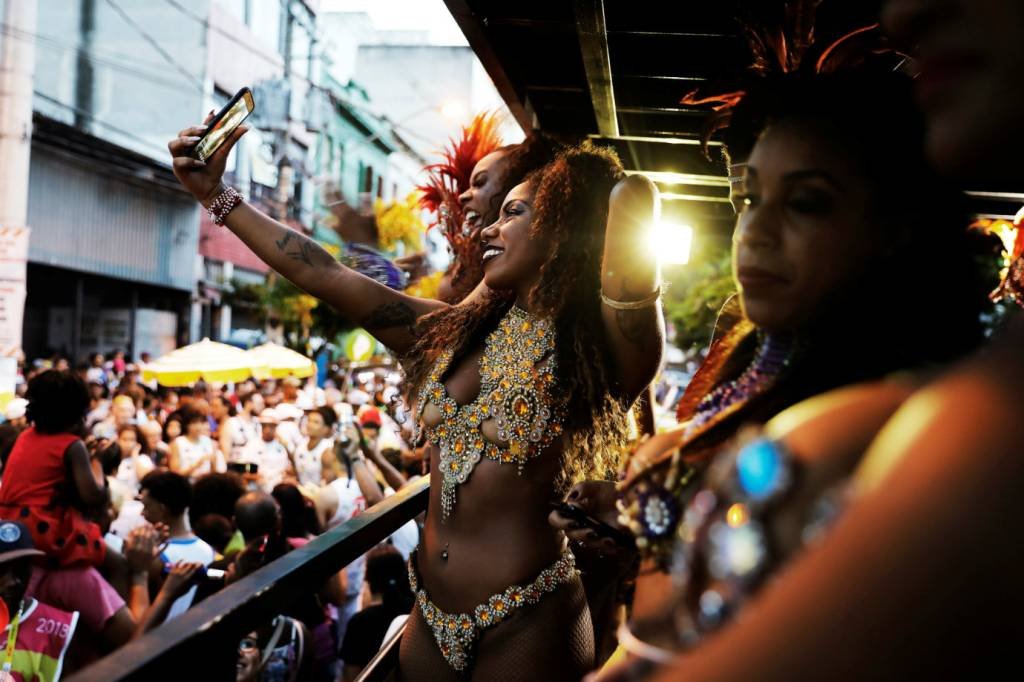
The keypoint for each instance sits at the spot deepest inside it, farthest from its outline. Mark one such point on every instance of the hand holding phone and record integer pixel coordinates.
(202, 176)
(220, 127)
(580, 516)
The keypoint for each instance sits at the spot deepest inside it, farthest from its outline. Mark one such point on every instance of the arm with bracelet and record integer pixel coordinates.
(387, 314)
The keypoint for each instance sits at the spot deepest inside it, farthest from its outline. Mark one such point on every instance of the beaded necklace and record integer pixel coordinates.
(773, 355)
(654, 512)
(517, 375)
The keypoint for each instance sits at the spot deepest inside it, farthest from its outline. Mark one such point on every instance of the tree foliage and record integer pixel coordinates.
(695, 297)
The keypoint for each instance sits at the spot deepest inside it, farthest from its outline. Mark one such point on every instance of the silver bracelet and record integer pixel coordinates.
(632, 305)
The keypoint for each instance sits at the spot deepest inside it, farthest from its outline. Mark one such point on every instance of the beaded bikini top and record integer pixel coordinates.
(517, 378)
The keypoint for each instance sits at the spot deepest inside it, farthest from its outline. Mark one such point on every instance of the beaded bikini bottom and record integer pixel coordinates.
(457, 633)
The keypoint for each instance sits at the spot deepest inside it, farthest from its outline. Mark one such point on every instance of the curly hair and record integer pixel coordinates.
(571, 211)
(521, 159)
(57, 401)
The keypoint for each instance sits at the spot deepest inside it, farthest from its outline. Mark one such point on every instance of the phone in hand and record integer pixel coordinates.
(224, 123)
(580, 516)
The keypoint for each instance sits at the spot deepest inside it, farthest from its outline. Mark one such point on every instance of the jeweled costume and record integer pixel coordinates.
(517, 378)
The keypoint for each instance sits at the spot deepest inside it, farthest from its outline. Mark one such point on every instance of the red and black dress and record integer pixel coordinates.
(33, 478)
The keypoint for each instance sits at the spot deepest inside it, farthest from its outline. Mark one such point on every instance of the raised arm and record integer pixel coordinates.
(389, 315)
(630, 278)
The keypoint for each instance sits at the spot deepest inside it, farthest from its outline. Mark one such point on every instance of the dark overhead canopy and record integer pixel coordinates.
(615, 70)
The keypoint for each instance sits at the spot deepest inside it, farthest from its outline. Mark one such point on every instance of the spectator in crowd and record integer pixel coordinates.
(277, 651)
(165, 500)
(315, 451)
(96, 374)
(299, 523)
(153, 444)
(390, 598)
(257, 515)
(221, 410)
(194, 453)
(134, 465)
(273, 453)
(15, 422)
(50, 477)
(38, 634)
(241, 429)
(122, 413)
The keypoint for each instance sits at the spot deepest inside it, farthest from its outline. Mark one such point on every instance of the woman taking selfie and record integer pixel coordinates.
(517, 392)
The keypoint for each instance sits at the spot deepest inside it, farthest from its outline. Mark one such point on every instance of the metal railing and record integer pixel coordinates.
(203, 641)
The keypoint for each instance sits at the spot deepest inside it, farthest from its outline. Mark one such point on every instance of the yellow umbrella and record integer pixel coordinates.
(279, 362)
(207, 360)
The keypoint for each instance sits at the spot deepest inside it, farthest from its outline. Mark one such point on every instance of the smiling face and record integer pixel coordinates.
(512, 254)
(803, 230)
(969, 53)
(485, 184)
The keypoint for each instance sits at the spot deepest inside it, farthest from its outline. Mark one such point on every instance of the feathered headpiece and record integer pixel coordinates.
(788, 49)
(450, 178)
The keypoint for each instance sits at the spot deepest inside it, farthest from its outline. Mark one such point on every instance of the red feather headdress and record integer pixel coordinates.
(450, 178)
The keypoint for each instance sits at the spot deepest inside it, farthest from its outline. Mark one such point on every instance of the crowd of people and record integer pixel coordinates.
(835, 501)
(125, 503)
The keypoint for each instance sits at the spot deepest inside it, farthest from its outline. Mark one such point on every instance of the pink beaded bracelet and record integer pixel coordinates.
(225, 202)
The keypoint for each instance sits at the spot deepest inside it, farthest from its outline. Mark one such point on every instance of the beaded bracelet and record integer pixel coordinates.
(225, 202)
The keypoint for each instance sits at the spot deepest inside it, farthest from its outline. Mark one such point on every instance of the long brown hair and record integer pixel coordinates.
(571, 212)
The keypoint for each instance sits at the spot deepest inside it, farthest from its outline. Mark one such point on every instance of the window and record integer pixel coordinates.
(367, 180)
(380, 188)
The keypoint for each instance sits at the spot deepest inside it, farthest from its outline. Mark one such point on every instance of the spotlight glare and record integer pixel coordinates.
(671, 242)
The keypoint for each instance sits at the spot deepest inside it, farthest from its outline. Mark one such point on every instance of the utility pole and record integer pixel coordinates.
(17, 65)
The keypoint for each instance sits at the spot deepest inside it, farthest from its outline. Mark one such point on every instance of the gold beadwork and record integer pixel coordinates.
(517, 376)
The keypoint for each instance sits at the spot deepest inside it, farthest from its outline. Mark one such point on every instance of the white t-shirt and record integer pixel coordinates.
(128, 474)
(190, 453)
(351, 503)
(310, 462)
(243, 432)
(186, 549)
(273, 462)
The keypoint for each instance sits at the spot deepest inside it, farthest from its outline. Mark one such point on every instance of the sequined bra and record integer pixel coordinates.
(517, 378)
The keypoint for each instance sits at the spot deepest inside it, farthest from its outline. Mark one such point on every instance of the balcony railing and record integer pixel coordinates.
(202, 643)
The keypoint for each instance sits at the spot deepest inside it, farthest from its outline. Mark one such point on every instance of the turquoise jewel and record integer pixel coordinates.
(760, 469)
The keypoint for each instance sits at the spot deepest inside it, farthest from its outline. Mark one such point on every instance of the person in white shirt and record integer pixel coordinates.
(165, 500)
(273, 453)
(241, 431)
(134, 465)
(310, 461)
(194, 453)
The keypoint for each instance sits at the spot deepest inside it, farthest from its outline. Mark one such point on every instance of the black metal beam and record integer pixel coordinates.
(473, 28)
(593, 37)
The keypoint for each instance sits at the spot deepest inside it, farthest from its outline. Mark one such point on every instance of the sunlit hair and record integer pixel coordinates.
(570, 214)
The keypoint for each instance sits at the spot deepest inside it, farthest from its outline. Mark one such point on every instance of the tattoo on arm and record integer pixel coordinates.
(391, 315)
(305, 249)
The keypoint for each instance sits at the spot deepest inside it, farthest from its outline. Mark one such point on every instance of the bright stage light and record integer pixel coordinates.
(671, 243)
(453, 110)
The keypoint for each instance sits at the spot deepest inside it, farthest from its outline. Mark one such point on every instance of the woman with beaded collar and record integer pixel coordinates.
(835, 254)
(518, 391)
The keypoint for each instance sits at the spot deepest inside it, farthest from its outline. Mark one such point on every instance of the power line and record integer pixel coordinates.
(156, 46)
(49, 41)
(95, 119)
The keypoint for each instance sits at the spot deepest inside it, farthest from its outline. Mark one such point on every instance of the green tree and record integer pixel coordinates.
(696, 295)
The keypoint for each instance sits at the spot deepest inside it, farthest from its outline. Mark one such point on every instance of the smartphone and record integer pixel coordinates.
(579, 515)
(224, 123)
